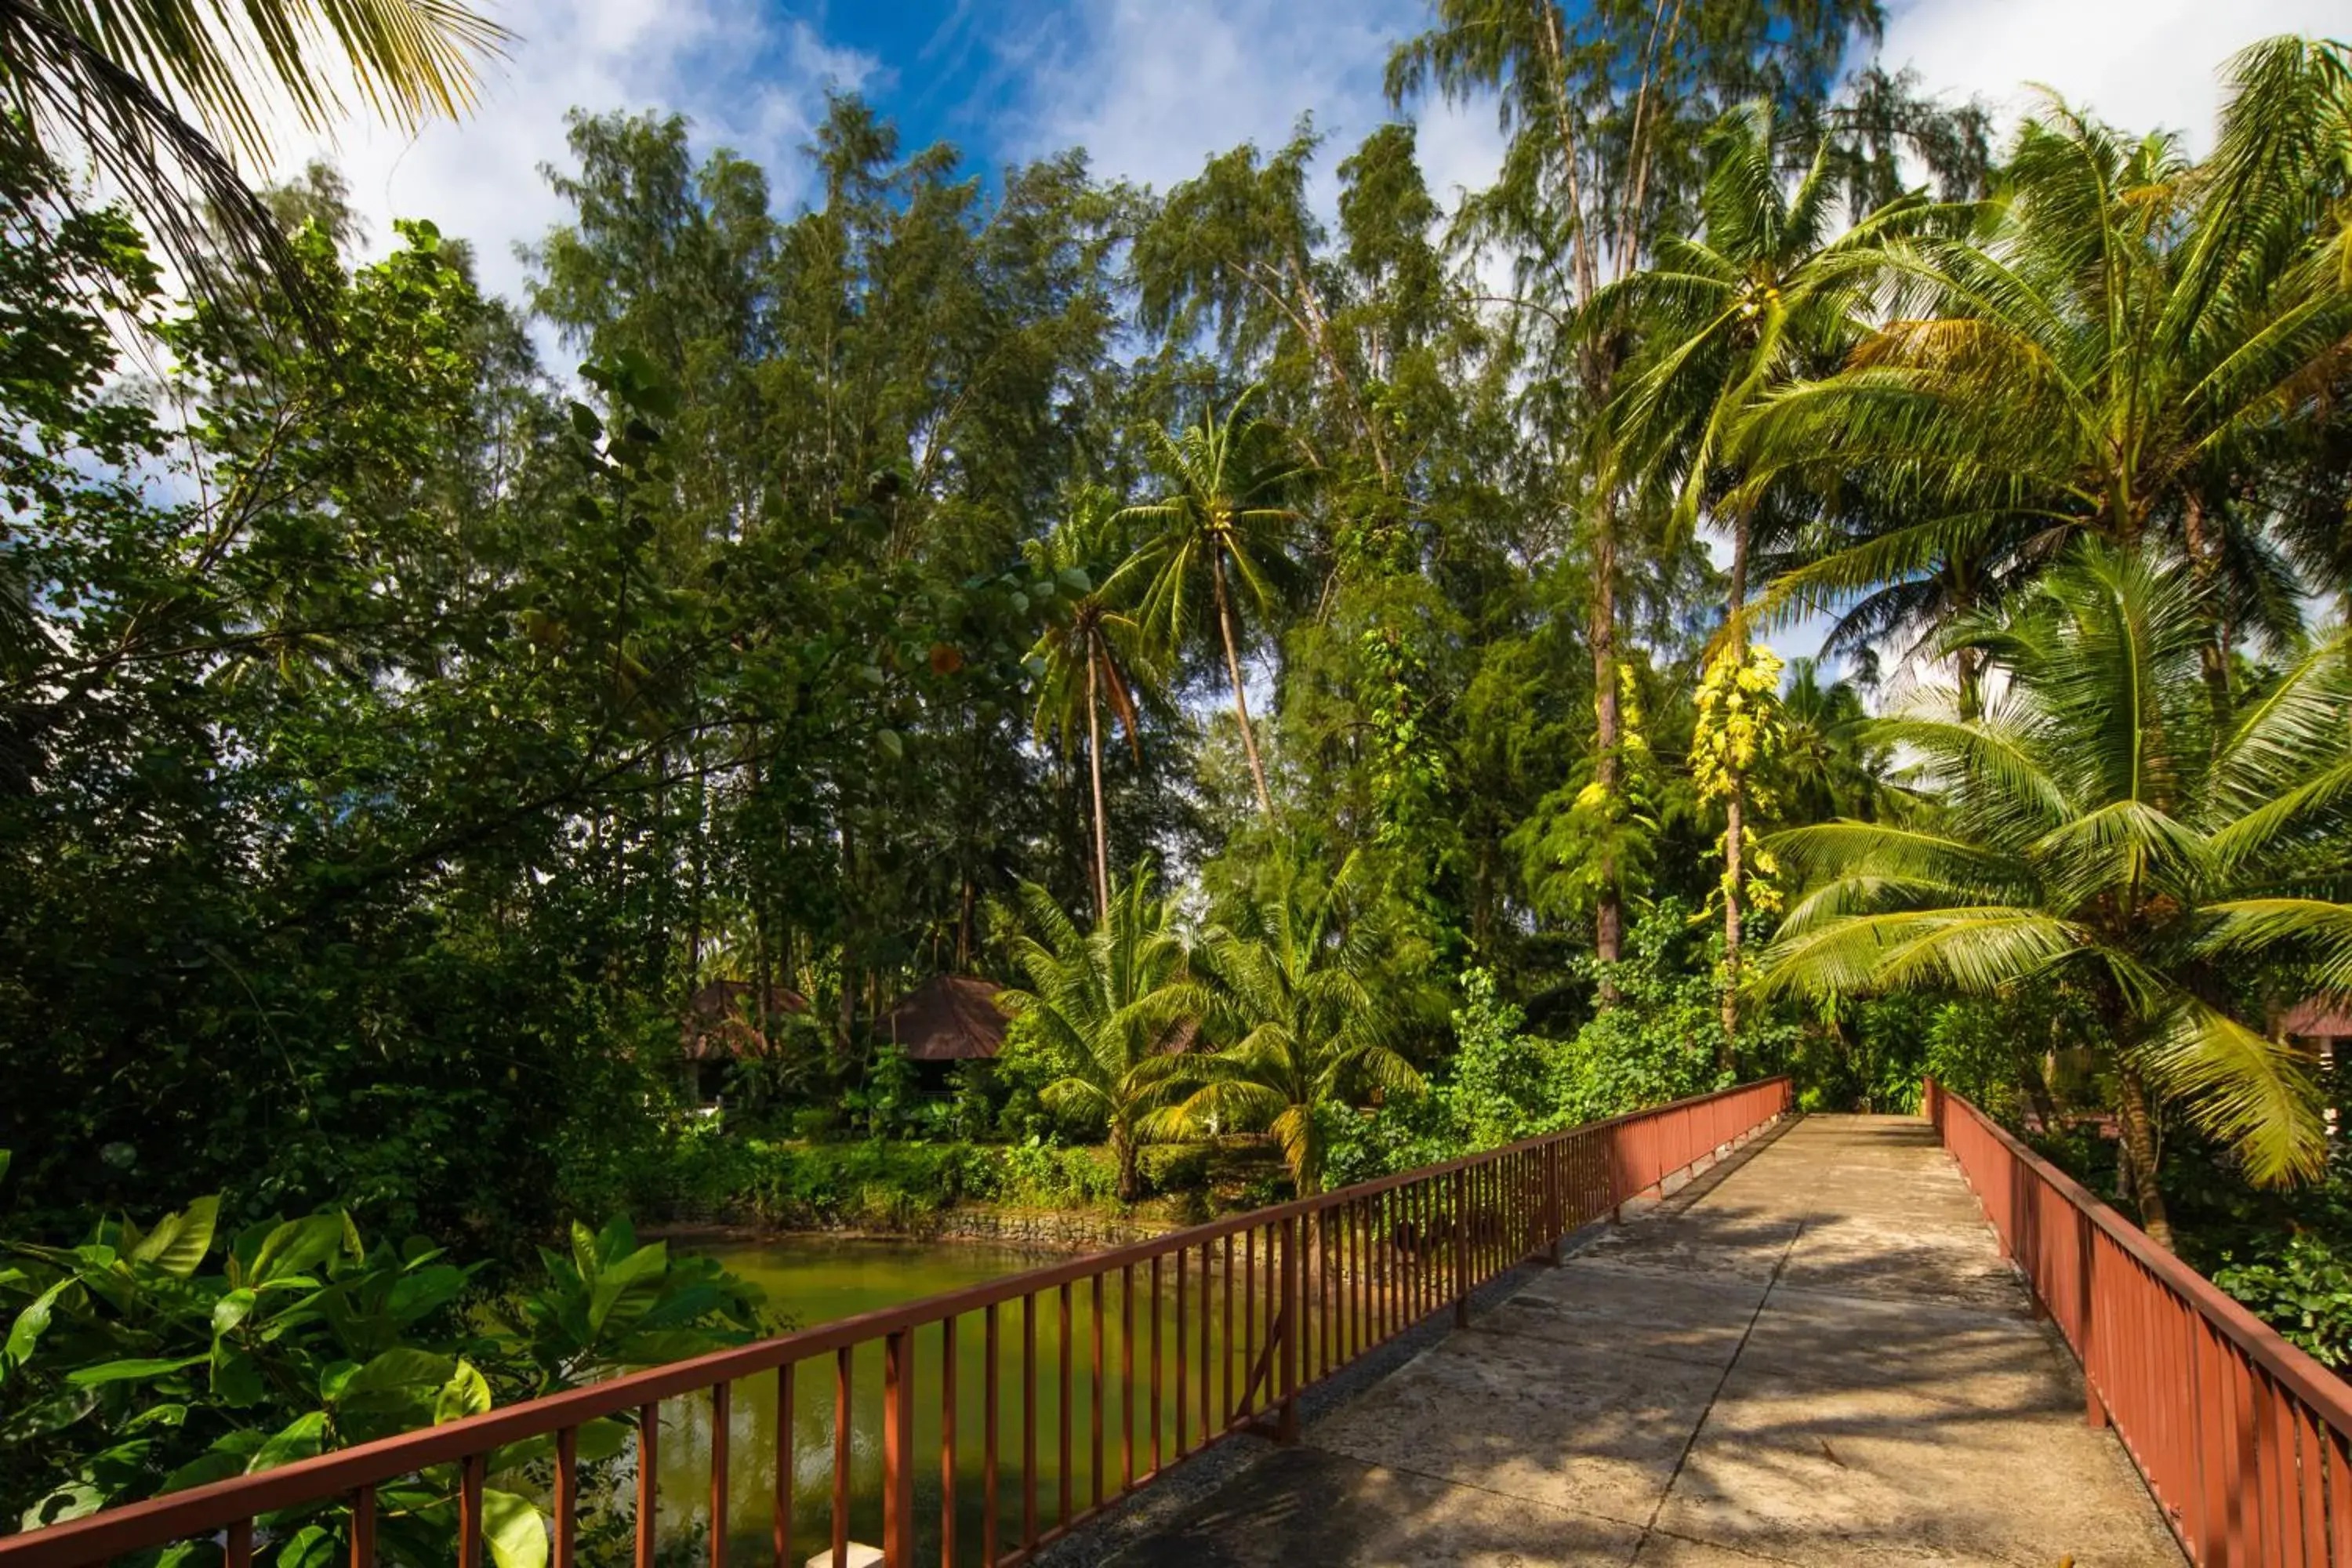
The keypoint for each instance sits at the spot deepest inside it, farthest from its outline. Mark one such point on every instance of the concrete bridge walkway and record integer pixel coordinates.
(1813, 1355)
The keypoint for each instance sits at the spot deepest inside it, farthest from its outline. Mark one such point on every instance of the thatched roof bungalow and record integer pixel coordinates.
(948, 1018)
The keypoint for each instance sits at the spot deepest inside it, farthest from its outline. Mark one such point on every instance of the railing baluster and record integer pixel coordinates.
(2313, 1468)
(842, 1368)
(2339, 1499)
(1127, 1375)
(947, 1441)
(899, 1448)
(648, 1479)
(1094, 1381)
(1293, 1310)
(566, 1499)
(722, 1412)
(1228, 1345)
(1029, 1419)
(1155, 1356)
(1249, 1315)
(239, 1550)
(1461, 1249)
(781, 1505)
(363, 1527)
(1208, 1300)
(1064, 1412)
(989, 1507)
(1184, 1388)
(469, 1512)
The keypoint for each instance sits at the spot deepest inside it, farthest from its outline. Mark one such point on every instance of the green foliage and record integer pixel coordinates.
(145, 1362)
(1663, 1038)
(1291, 981)
(2304, 1290)
(882, 1186)
(1109, 1009)
(2098, 829)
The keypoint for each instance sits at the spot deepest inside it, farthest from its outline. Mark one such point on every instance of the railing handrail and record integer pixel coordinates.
(2311, 1382)
(216, 1505)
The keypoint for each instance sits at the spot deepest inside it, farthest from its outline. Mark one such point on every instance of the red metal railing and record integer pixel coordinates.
(1241, 1316)
(2246, 1441)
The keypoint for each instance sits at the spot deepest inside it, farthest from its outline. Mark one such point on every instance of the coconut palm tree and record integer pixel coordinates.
(1112, 1005)
(163, 96)
(1094, 654)
(2090, 828)
(1768, 295)
(1228, 521)
(2121, 346)
(1290, 983)
(1829, 766)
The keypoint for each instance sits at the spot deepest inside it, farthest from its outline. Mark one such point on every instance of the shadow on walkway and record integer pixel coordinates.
(1813, 1356)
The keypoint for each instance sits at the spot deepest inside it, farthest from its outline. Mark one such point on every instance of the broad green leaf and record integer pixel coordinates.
(300, 1438)
(312, 1546)
(401, 1368)
(517, 1536)
(157, 1416)
(27, 1330)
(468, 1393)
(231, 1311)
(135, 1370)
(178, 1243)
(298, 1246)
(77, 1499)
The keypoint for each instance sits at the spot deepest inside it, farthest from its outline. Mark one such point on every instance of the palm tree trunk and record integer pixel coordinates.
(1124, 1151)
(1234, 670)
(1094, 764)
(2138, 1127)
(2213, 652)
(1608, 910)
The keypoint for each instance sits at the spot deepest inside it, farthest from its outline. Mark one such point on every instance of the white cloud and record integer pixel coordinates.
(1151, 89)
(2140, 64)
(746, 77)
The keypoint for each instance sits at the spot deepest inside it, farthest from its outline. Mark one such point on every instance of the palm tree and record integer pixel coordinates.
(1767, 296)
(1112, 1005)
(2090, 828)
(1227, 518)
(1096, 653)
(161, 96)
(1829, 765)
(1292, 985)
(2116, 348)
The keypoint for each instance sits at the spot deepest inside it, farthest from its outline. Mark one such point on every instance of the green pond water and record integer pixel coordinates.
(813, 1280)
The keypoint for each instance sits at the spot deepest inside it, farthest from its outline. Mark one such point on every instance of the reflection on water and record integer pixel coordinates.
(813, 1280)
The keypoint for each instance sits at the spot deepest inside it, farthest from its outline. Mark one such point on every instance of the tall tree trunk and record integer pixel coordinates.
(1123, 1151)
(1609, 768)
(2213, 650)
(1735, 808)
(2139, 1150)
(1234, 670)
(850, 976)
(1094, 766)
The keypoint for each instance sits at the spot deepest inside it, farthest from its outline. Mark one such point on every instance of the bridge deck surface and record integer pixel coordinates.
(1813, 1355)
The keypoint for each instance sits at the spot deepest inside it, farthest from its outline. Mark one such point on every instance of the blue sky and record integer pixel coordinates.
(1150, 86)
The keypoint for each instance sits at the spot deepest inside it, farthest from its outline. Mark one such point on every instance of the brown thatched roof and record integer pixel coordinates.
(719, 1019)
(948, 1018)
(2317, 1017)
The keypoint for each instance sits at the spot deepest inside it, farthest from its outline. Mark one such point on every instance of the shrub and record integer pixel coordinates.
(144, 1362)
(2303, 1289)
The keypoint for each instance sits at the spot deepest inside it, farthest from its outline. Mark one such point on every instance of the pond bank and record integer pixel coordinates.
(1041, 1230)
